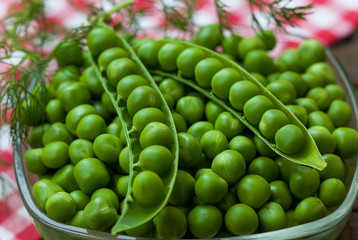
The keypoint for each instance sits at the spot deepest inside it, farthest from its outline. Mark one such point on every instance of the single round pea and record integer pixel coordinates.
(142, 97)
(198, 129)
(245, 146)
(335, 91)
(101, 38)
(259, 61)
(296, 80)
(264, 167)
(227, 202)
(205, 221)
(179, 122)
(286, 167)
(90, 127)
(262, 148)
(253, 190)
(230, 165)
(64, 178)
(255, 107)
(156, 158)
(309, 209)
(120, 68)
(107, 194)
(325, 70)
(143, 230)
(187, 61)
(34, 137)
(272, 120)
(273, 77)
(124, 159)
(283, 91)
(55, 111)
(172, 87)
(78, 220)
(320, 96)
(56, 132)
(102, 111)
(299, 112)
(33, 161)
(60, 206)
(107, 147)
(290, 139)
(183, 190)
(213, 142)
(68, 53)
(210, 188)
(80, 149)
(241, 219)
(148, 188)
(290, 219)
(319, 118)
(309, 104)
(90, 79)
(42, 190)
(268, 37)
(281, 194)
(171, 223)
(91, 174)
(209, 36)
(310, 52)
(191, 108)
(115, 129)
(81, 199)
(346, 142)
(223, 80)
(323, 139)
(340, 113)
(107, 103)
(63, 74)
(189, 150)
(205, 70)
(241, 92)
(259, 77)
(313, 80)
(229, 125)
(156, 133)
(291, 59)
(100, 214)
(74, 116)
(168, 55)
(108, 55)
(55, 154)
(148, 52)
(230, 43)
(334, 169)
(73, 95)
(212, 111)
(247, 45)
(122, 185)
(127, 84)
(272, 217)
(332, 192)
(304, 181)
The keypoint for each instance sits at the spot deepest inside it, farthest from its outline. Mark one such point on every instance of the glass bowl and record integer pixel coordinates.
(328, 227)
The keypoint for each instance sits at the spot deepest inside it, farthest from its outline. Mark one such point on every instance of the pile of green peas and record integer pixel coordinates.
(115, 143)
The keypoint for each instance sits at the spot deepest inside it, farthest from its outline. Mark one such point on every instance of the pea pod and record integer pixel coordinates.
(136, 209)
(308, 155)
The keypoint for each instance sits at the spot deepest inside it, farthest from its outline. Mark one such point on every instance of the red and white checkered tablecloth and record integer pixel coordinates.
(329, 22)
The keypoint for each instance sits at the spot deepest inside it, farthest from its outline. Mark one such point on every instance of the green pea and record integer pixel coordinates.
(255, 107)
(107, 103)
(80, 149)
(253, 190)
(122, 185)
(107, 147)
(91, 81)
(179, 121)
(68, 53)
(319, 118)
(259, 61)
(74, 116)
(296, 80)
(262, 148)
(334, 169)
(142, 97)
(247, 45)
(299, 112)
(313, 80)
(115, 128)
(309, 104)
(230, 43)
(60, 206)
(100, 214)
(62, 86)
(209, 36)
(73, 95)
(143, 230)
(213, 142)
(187, 61)
(108, 55)
(323, 139)
(321, 97)
(340, 113)
(171, 223)
(64, 178)
(156, 158)
(273, 77)
(205, 221)
(346, 141)
(127, 84)
(304, 181)
(102, 111)
(264, 167)
(245, 146)
(78, 220)
(290, 219)
(43, 189)
(268, 37)
(283, 91)
(211, 188)
(271, 121)
(325, 70)
(123, 138)
(309, 209)
(311, 51)
(291, 59)
(90, 127)
(227, 202)
(156, 133)
(33, 161)
(81, 199)
(290, 139)
(183, 190)
(200, 172)
(335, 91)
(63, 74)
(332, 192)
(120, 68)
(189, 150)
(205, 70)
(281, 194)
(286, 167)
(56, 132)
(272, 217)
(54, 111)
(241, 219)
(230, 165)
(55, 154)
(108, 194)
(148, 188)
(124, 159)
(229, 125)
(148, 52)
(223, 80)
(101, 38)
(191, 108)
(259, 77)
(212, 111)
(168, 55)
(34, 137)
(91, 174)
(172, 87)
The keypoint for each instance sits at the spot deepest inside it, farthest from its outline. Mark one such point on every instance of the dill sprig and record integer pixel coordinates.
(279, 12)
(223, 15)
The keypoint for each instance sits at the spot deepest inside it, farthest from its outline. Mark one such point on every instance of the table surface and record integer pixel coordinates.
(347, 53)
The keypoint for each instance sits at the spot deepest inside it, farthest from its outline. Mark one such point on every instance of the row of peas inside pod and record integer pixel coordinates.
(202, 151)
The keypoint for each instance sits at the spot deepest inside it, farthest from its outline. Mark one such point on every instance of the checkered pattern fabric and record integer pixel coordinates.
(330, 21)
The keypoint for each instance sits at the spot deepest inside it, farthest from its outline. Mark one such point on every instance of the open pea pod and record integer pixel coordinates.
(134, 212)
(309, 154)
